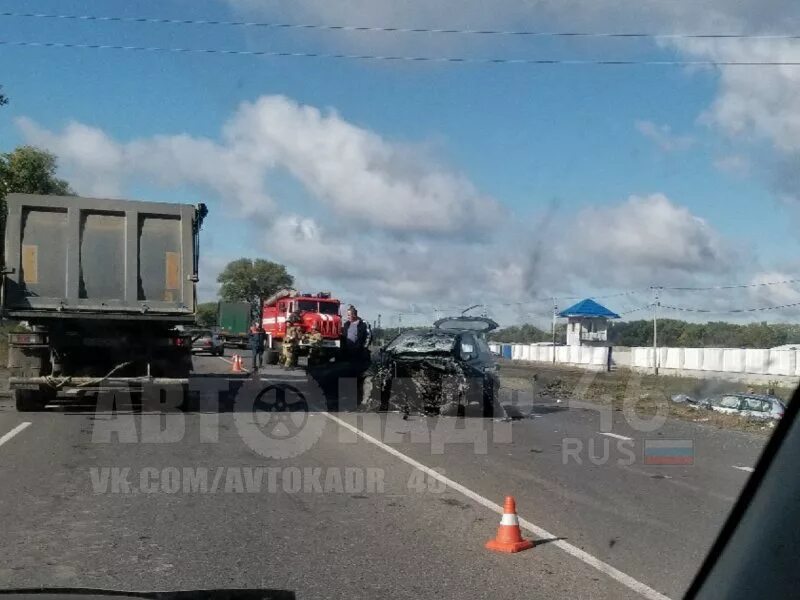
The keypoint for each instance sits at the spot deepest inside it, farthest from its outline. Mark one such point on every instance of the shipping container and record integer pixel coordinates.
(79, 255)
(233, 320)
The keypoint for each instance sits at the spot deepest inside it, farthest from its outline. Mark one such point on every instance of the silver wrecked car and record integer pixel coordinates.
(757, 406)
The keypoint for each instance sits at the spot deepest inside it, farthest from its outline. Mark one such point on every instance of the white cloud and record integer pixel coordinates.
(358, 176)
(643, 241)
(352, 171)
(355, 172)
(631, 244)
(92, 159)
(663, 137)
(97, 165)
(735, 164)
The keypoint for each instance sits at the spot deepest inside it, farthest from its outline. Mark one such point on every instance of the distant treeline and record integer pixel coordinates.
(528, 334)
(671, 332)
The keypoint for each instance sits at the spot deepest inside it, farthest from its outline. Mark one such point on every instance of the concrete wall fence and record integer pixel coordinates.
(727, 360)
(719, 361)
(588, 356)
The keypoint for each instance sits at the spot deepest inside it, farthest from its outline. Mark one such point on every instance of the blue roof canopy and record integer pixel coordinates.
(588, 308)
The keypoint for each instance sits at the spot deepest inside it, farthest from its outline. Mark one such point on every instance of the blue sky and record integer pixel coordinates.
(523, 136)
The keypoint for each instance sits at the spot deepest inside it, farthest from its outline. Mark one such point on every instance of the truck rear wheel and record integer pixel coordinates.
(272, 357)
(30, 400)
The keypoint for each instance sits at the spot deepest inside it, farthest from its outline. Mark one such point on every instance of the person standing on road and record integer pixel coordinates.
(355, 335)
(257, 336)
(291, 341)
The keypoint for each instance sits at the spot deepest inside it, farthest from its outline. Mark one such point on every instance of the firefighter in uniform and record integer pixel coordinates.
(314, 340)
(291, 341)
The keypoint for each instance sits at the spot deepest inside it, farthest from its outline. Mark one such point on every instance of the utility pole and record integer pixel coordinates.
(555, 312)
(655, 329)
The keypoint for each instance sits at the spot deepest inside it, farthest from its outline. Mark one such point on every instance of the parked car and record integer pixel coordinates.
(747, 405)
(437, 370)
(205, 340)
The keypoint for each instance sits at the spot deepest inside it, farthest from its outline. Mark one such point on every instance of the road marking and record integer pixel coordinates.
(616, 574)
(748, 469)
(13, 432)
(616, 435)
(682, 484)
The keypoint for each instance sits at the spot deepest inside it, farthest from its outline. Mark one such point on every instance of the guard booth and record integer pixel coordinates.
(587, 323)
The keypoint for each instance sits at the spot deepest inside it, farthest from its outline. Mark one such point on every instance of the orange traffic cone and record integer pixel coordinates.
(236, 365)
(509, 536)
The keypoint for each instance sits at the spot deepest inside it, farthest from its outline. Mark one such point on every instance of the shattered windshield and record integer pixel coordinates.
(424, 341)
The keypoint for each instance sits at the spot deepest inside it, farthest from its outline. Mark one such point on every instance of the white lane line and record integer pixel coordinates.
(225, 360)
(616, 435)
(748, 469)
(13, 432)
(623, 578)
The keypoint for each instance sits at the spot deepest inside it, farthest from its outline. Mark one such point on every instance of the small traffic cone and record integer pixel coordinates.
(236, 365)
(509, 536)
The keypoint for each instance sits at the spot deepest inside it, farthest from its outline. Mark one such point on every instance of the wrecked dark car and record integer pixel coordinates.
(439, 370)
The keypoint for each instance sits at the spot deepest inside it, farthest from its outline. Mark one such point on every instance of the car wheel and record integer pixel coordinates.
(30, 400)
(272, 357)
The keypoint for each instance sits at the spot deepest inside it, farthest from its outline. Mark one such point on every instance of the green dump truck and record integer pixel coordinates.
(233, 320)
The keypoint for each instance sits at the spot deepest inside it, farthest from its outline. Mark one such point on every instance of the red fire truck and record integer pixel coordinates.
(317, 308)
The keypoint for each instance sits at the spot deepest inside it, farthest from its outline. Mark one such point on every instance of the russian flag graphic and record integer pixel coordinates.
(669, 452)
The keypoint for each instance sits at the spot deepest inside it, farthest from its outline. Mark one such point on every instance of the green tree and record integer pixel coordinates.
(30, 170)
(207, 314)
(251, 280)
(528, 334)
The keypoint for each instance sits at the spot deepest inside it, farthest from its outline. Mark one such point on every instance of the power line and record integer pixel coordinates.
(386, 29)
(427, 59)
(633, 310)
(732, 311)
(729, 287)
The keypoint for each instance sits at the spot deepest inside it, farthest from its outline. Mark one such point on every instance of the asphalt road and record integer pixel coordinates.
(336, 514)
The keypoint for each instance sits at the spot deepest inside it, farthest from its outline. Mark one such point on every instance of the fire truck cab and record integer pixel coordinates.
(319, 309)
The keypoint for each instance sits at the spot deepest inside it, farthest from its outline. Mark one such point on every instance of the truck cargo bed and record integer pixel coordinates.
(70, 255)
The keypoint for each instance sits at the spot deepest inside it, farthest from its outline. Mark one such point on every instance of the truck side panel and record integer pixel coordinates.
(68, 254)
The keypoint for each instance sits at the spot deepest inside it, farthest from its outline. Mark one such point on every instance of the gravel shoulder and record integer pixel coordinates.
(647, 393)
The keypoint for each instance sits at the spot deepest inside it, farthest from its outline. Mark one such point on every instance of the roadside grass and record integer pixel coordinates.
(648, 393)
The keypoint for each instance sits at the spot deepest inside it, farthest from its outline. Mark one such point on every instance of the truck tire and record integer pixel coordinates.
(30, 400)
(272, 357)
